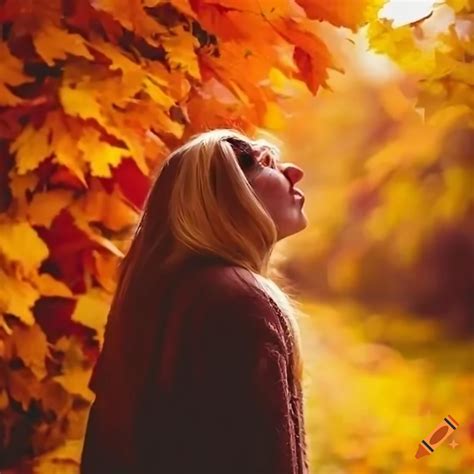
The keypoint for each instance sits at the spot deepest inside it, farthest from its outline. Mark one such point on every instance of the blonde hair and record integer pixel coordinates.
(202, 202)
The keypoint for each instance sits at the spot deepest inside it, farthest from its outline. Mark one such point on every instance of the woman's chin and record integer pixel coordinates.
(297, 226)
(304, 221)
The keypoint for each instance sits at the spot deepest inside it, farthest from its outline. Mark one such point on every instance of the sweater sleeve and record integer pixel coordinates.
(242, 374)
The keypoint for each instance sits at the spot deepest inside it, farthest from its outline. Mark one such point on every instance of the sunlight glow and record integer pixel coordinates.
(403, 12)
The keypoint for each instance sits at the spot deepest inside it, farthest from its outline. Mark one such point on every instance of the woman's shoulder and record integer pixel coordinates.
(233, 294)
(226, 280)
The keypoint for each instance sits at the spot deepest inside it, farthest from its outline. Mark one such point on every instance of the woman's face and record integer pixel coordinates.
(274, 183)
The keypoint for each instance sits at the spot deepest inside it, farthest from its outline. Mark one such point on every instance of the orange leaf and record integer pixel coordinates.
(30, 345)
(53, 43)
(311, 55)
(348, 13)
(17, 297)
(11, 73)
(32, 146)
(47, 285)
(45, 206)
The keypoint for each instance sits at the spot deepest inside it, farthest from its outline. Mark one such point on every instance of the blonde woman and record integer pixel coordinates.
(200, 371)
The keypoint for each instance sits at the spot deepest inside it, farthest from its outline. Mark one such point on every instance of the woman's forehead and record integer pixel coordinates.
(264, 148)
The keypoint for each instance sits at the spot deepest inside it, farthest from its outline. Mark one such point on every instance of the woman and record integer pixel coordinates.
(200, 372)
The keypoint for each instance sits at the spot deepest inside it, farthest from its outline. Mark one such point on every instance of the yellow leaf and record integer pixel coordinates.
(19, 185)
(118, 90)
(73, 357)
(131, 15)
(47, 285)
(76, 381)
(448, 116)
(31, 147)
(128, 129)
(17, 297)
(399, 43)
(20, 243)
(64, 459)
(131, 71)
(63, 142)
(11, 73)
(109, 209)
(180, 51)
(30, 345)
(460, 5)
(157, 93)
(105, 269)
(100, 155)
(173, 81)
(76, 425)
(143, 116)
(44, 207)
(81, 103)
(53, 43)
(92, 309)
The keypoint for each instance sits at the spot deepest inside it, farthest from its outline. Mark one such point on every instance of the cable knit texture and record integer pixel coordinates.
(197, 379)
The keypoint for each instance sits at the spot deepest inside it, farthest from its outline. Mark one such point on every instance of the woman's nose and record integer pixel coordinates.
(293, 173)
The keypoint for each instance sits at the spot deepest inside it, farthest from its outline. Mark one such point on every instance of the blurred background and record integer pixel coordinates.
(384, 271)
(385, 267)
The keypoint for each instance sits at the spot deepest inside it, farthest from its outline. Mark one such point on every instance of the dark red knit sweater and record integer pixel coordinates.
(197, 379)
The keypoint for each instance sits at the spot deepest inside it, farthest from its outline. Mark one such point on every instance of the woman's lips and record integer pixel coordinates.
(298, 195)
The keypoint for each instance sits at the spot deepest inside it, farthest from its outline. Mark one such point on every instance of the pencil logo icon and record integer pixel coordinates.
(436, 437)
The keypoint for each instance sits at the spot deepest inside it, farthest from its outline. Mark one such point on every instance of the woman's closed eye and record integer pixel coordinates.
(267, 160)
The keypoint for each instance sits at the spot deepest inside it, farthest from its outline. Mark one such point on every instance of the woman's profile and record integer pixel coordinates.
(200, 370)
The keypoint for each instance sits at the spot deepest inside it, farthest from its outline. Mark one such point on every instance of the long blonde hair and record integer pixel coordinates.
(201, 202)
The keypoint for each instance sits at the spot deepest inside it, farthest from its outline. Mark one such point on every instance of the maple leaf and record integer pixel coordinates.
(65, 149)
(99, 154)
(132, 16)
(110, 209)
(348, 13)
(47, 285)
(311, 54)
(11, 73)
(75, 381)
(17, 297)
(92, 310)
(20, 243)
(30, 345)
(81, 103)
(44, 207)
(54, 43)
(180, 51)
(32, 146)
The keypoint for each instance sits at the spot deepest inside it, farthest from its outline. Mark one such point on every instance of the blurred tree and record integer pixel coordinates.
(391, 174)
